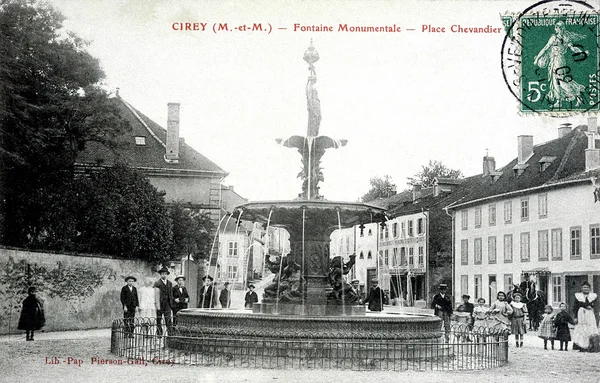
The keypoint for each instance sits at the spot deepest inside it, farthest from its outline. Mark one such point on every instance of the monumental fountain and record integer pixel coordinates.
(309, 297)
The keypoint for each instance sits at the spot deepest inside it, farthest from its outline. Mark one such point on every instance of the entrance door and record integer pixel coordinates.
(573, 285)
(493, 284)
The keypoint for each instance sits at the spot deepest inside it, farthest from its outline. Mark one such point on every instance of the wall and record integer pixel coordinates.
(79, 291)
(189, 189)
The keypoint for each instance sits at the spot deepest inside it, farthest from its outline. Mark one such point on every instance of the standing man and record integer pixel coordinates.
(375, 297)
(355, 293)
(207, 298)
(225, 296)
(180, 297)
(163, 298)
(250, 298)
(442, 307)
(130, 302)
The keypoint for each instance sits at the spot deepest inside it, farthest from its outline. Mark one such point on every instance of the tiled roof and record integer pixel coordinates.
(429, 201)
(568, 164)
(150, 155)
(396, 199)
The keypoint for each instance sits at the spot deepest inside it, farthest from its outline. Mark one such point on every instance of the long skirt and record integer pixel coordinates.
(585, 328)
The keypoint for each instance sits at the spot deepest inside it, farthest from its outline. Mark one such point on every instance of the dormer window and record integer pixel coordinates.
(140, 140)
(519, 169)
(495, 176)
(545, 162)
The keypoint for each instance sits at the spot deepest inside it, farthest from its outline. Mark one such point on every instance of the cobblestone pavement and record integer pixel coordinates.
(22, 361)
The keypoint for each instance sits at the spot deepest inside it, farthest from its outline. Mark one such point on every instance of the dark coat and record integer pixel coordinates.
(444, 302)
(207, 297)
(181, 296)
(225, 298)
(250, 298)
(375, 299)
(166, 294)
(129, 298)
(32, 314)
(562, 321)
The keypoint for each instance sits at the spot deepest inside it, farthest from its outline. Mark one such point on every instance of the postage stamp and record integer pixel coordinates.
(550, 59)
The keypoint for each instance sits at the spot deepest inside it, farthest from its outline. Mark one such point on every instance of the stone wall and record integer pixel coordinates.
(79, 291)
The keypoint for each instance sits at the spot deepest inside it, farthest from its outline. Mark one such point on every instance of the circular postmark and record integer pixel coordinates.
(550, 59)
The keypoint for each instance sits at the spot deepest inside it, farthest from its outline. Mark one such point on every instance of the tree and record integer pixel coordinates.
(51, 104)
(380, 188)
(192, 232)
(433, 170)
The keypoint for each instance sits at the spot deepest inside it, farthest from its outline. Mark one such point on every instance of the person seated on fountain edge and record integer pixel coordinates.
(375, 298)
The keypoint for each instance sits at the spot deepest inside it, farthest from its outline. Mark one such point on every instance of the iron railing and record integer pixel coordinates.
(466, 348)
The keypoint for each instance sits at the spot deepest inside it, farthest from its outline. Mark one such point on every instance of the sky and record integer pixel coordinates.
(400, 99)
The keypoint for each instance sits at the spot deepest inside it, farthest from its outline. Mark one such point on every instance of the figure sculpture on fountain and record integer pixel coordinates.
(288, 283)
(342, 293)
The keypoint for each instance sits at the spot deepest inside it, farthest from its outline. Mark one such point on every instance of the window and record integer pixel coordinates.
(411, 256)
(369, 255)
(395, 230)
(420, 226)
(232, 249)
(543, 205)
(556, 244)
(421, 256)
(524, 247)
(361, 256)
(508, 248)
(575, 242)
(491, 250)
(478, 217)
(524, 209)
(508, 282)
(595, 241)
(370, 232)
(395, 256)
(381, 232)
(464, 284)
(477, 283)
(140, 140)
(557, 290)
(464, 252)
(402, 230)
(508, 212)
(232, 272)
(387, 232)
(386, 257)
(403, 256)
(477, 251)
(543, 245)
(464, 219)
(410, 228)
(492, 214)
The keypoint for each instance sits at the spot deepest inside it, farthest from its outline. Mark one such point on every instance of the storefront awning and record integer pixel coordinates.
(537, 271)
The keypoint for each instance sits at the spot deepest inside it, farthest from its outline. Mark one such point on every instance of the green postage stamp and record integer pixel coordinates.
(558, 58)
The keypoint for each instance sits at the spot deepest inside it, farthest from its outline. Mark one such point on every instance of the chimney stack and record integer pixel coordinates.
(564, 129)
(525, 149)
(172, 154)
(489, 165)
(416, 192)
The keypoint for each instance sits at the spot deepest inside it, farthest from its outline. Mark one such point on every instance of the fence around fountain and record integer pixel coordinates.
(466, 349)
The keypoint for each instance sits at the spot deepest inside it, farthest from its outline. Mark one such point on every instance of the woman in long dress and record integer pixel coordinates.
(585, 309)
(561, 85)
(32, 314)
(499, 312)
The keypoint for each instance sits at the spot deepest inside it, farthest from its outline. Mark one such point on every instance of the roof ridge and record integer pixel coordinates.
(565, 157)
(141, 120)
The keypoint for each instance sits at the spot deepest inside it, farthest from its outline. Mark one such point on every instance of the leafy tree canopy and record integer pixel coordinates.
(433, 170)
(192, 232)
(380, 188)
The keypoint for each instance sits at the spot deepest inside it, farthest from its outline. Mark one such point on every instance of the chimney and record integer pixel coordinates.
(564, 129)
(525, 149)
(416, 192)
(489, 165)
(172, 154)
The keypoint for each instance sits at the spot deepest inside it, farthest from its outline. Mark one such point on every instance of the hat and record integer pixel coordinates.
(164, 270)
(226, 283)
(179, 277)
(130, 277)
(375, 280)
(585, 283)
(251, 286)
(354, 280)
(467, 296)
(209, 278)
(518, 294)
(443, 286)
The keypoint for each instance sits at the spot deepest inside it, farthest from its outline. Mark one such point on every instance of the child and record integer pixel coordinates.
(517, 322)
(547, 328)
(32, 314)
(480, 314)
(562, 321)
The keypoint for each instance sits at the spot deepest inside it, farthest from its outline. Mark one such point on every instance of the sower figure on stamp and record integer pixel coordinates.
(163, 295)
(442, 307)
(131, 303)
(180, 297)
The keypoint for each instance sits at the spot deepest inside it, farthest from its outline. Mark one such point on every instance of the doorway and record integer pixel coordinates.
(572, 286)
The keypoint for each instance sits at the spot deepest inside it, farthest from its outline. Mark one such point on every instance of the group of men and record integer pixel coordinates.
(169, 299)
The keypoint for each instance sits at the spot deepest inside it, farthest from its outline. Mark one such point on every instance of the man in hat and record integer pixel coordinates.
(225, 296)
(207, 298)
(131, 303)
(354, 292)
(442, 307)
(375, 298)
(163, 294)
(180, 297)
(250, 298)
